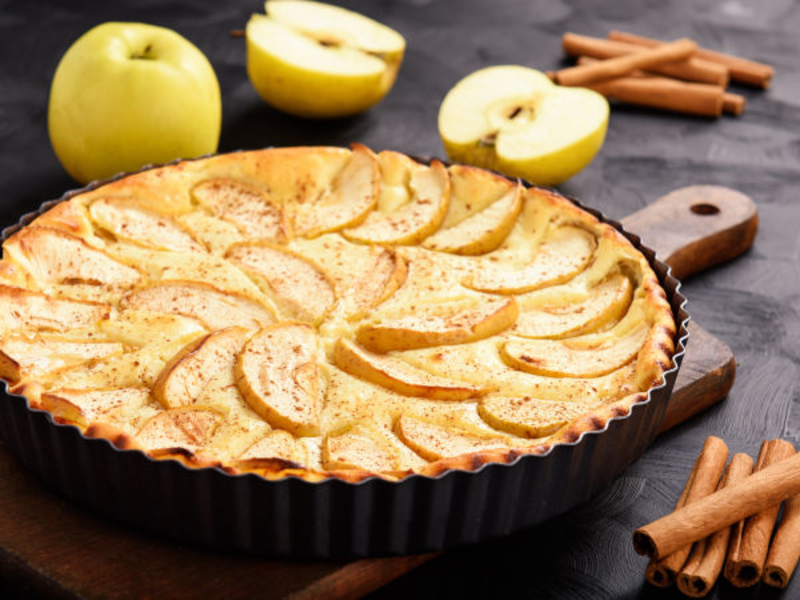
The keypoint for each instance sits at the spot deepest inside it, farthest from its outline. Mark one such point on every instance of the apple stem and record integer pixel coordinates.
(238, 33)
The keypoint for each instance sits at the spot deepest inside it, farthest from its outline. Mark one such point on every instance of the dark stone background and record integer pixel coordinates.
(752, 303)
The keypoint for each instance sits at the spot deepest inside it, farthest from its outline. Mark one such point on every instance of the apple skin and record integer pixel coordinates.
(128, 94)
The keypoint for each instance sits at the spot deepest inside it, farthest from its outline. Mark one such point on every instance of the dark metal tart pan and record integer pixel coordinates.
(332, 518)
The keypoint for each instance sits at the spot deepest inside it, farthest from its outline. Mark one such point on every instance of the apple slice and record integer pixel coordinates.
(185, 377)
(433, 442)
(53, 256)
(276, 444)
(606, 303)
(21, 356)
(200, 301)
(245, 205)
(588, 356)
(384, 278)
(83, 406)
(189, 428)
(358, 449)
(278, 375)
(128, 220)
(427, 190)
(513, 119)
(423, 331)
(350, 198)
(561, 256)
(529, 417)
(315, 60)
(300, 288)
(482, 231)
(23, 309)
(395, 375)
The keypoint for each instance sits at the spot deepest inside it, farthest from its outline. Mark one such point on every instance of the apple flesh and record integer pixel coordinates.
(515, 120)
(314, 60)
(128, 94)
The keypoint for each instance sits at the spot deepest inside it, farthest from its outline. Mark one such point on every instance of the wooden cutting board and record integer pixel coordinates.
(52, 548)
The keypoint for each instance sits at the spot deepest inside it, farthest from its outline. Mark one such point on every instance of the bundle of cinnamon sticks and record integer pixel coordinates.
(725, 521)
(675, 76)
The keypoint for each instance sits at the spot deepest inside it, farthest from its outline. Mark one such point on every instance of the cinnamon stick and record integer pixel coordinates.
(642, 89)
(747, 554)
(692, 69)
(701, 571)
(761, 490)
(702, 481)
(785, 550)
(624, 64)
(741, 70)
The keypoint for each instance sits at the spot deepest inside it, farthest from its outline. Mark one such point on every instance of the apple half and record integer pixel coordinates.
(515, 120)
(311, 59)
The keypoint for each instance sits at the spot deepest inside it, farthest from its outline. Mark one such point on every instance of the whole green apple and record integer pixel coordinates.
(128, 94)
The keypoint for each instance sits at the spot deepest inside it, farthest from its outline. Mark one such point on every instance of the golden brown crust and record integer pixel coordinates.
(290, 180)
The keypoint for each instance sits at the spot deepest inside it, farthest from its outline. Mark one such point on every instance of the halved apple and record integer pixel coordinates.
(189, 428)
(423, 331)
(358, 449)
(513, 119)
(529, 417)
(23, 309)
(128, 220)
(245, 205)
(605, 303)
(200, 301)
(83, 406)
(587, 356)
(21, 356)
(300, 288)
(278, 375)
(53, 256)
(396, 375)
(315, 60)
(561, 256)
(426, 191)
(479, 229)
(348, 201)
(276, 444)
(433, 442)
(185, 377)
(384, 278)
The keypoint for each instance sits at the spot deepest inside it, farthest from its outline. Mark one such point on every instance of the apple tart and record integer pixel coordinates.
(325, 312)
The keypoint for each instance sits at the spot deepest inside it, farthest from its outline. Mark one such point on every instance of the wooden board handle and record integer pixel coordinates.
(697, 227)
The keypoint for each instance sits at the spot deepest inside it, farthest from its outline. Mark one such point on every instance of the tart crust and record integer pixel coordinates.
(274, 347)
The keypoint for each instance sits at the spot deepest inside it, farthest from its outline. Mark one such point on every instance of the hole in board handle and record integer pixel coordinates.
(704, 209)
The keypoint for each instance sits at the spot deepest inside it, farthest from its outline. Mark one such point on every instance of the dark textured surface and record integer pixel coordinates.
(752, 304)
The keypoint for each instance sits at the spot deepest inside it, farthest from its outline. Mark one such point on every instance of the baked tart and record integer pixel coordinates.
(323, 312)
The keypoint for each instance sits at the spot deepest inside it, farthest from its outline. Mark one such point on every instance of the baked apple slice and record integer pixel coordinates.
(23, 309)
(358, 449)
(128, 220)
(200, 301)
(606, 303)
(185, 377)
(413, 203)
(83, 406)
(587, 356)
(276, 444)
(278, 375)
(387, 273)
(55, 257)
(352, 195)
(529, 417)
(21, 356)
(423, 331)
(560, 257)
(483, 210)
(395, 375)
(246, 206)
(299, 287)
(189, 428)
(433, 442)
